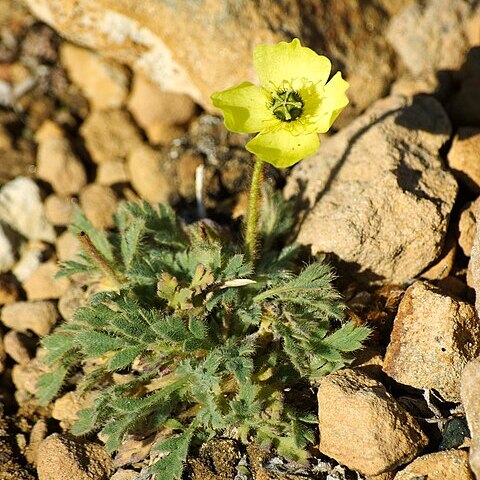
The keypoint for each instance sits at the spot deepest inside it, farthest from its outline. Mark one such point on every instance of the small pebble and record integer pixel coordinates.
(362, 426)
(110, 135)
(58, 210)
(147, 176)
(67, 246)
(18, 346)
(99, 204)
(42, 284)
(448, 465)
(9, 289)
(103, 82)
(111, 172)
(470, 393)
(39, 317)
(433, 337)
(57, 163)
(62, 457)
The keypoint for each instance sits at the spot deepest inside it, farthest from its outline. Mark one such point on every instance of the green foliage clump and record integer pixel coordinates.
(211, 345)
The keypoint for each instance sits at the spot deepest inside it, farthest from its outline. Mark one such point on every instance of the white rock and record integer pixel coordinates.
(30, 260)
(22, 209)
(431, 35)
(7, 251)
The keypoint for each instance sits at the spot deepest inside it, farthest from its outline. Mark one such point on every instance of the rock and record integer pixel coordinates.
(37, 435)
(16, 163)
(453, 286)
(42, 284)
(463, 157)
(17, 157)
(12, 467)
(444, 264)
(39, 317)
(473, 273)
(125, 475)
(467, 227)
(40, 109)
(156, 38)
(7, 250)
(5, 139)
(99, 203)
(9, 289)
(3, 354)
(74, 298)
(41, 42)
(59, 210)
(428, 84)
(22, 209)
(67, 246)
(57, 164)
(163, 134)
(147, 175)
(383, 211)
(382, 476)
(103, 82)
(155, 111)
(431, 36)
(133, 451)
(61, 457)
(25, 376)
(18, 346)
(65, 408)
(433, 337)
(448, 465)
(30, 260)
(111, 172)
(221, 455)
(362, 426)
(470, 393)
(109, 135)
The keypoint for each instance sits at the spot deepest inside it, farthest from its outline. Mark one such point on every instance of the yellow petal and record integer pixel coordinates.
(244, 107)
(286, 62)
(281, 148)
(332, 101)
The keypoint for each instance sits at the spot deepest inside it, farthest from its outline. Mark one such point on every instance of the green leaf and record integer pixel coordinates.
(130, 242)
(95, 344)
(348, 338)
(86, 421)
(236, 268)
(70, 267)
(124, 357)
(57, 346)
(175, 451)
(116, 430)
(49, 384)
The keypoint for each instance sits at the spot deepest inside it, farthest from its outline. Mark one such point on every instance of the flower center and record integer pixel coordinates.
(287, 105)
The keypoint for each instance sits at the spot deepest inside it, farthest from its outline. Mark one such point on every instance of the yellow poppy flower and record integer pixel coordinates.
(293, 104)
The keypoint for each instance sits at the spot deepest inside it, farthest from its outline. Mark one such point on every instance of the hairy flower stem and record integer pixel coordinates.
(99, 260)
(251, 230)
